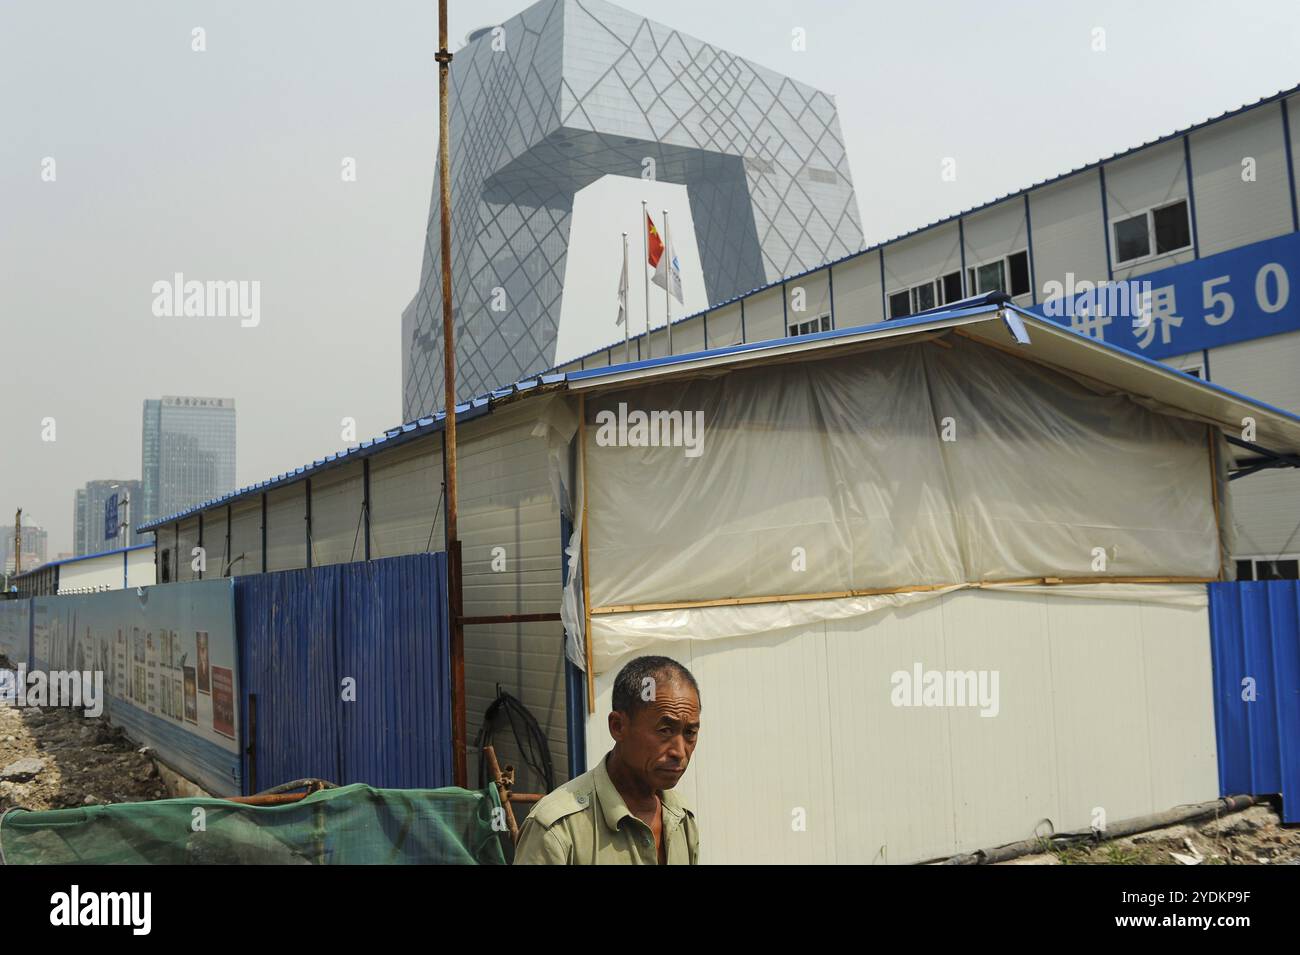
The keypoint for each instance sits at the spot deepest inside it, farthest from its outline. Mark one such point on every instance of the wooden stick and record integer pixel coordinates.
(586, 566)
(880, 591)
(1214, 489)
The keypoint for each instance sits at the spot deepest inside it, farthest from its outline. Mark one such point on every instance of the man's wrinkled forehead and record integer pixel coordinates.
(676, 700)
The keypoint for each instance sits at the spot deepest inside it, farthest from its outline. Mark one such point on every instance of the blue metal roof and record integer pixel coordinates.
(72, 560)
(407, 431)
(1226, 114)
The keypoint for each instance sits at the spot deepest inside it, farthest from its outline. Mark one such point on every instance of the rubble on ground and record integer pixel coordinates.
(1254, 836)
(56, 758)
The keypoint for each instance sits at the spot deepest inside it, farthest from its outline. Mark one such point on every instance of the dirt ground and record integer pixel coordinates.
(1254, 836)
(55, 758)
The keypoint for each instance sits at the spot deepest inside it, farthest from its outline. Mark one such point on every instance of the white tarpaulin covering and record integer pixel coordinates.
(914, 466)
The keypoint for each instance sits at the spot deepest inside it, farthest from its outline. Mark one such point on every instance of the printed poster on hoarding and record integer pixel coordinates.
(223, 701)
(191, 696)
(205, 682)
(171, 673)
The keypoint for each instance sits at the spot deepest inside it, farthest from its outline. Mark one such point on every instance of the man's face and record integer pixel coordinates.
(656, 742)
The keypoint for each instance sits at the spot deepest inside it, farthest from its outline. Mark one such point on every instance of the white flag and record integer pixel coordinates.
(622, 289)
(668, 273)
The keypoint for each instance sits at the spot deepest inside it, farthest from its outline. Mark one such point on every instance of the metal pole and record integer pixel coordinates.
(456, 648)
(645, 260)
(18, 542)
(627, 319)
(668, 283)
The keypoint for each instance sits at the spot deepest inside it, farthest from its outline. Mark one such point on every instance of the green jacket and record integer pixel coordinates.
(586, 822)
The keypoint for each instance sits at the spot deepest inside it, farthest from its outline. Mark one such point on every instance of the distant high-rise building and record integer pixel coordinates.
(582, 89)
(89, 531)
(79, 524)
(35, 544)
(188, 453)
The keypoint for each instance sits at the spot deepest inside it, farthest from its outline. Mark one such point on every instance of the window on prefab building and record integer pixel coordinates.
(951, 287)
(1268, 568)
(1172, 228)
(924, 297)
(822, 323)
(1156, 231)
(900, 304)
(1009, 274)
(1018, 273)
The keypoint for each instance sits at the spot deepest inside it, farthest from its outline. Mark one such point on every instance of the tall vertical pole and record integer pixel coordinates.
(627, 318)
(668, 283)
(18, 542)
(645, 260)
(456, 648)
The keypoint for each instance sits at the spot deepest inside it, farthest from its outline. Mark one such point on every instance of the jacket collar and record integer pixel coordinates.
(614, 808)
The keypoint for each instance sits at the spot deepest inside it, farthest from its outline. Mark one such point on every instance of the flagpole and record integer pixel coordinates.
(627, 319)
(668, 283)
(645, 259)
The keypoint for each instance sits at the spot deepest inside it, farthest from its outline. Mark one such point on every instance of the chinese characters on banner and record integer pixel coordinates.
(1233, 296)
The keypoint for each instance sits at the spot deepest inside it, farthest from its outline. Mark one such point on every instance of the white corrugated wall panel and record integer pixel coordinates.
(337, 532)
(922, 258)
(1069, 235)
(724, 326)
(816, 291)
(184, 557)
(1154, 176)
(286, 527)
(658, 339)
(1293, 120)
(765, 316)
(688, 336)
(1265, 505)
(510, 545)
(405, 499)
(1229, 210)
(856, 290)
(1102, 703)
(601, 358)
(140, 569)
(246, 537)
(996, 232)
(214, 541)
(1266, 514)
(96, 573)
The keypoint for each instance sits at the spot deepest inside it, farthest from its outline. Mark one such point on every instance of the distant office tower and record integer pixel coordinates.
(188, 454)
(89, 531)
(35, 547)
(569, 91)
(79, 524)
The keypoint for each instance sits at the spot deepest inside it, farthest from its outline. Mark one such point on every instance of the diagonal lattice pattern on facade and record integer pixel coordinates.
(569, 91)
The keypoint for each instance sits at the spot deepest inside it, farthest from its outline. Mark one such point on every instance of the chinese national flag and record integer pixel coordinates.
(656, 244)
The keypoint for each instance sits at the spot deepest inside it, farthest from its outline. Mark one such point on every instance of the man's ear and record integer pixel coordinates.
(618, 724)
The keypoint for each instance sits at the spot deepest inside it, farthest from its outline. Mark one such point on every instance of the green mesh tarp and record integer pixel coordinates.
(350, 825)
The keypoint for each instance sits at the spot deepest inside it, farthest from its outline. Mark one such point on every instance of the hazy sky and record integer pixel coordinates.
(225, 164)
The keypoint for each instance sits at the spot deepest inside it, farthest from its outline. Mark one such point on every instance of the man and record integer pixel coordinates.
(624, 812)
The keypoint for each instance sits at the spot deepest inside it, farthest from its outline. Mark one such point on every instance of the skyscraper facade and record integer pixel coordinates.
(570, 91)
(187, 453)
(89, 531)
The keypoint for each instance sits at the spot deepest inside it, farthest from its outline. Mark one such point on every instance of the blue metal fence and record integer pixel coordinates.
(16, 630)
(345, 673)
(1255, 641)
